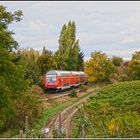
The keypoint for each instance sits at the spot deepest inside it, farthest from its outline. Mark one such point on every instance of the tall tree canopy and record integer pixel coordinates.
(68, 55)
(6, 39)
(12, 83)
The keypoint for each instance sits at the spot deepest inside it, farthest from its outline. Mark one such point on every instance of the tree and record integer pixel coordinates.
(46, 62)
(12, 81)
(80, 65)
(6, 39)
(12, 86)
(99, 67)
(44, 51)
(68, 54)
(134, 66)
(28, 58)
(16, 98)
(72, 62)
(62, 52)
(121, 73)
(117, 60)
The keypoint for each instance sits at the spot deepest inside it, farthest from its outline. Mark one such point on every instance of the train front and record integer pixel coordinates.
(50, 81)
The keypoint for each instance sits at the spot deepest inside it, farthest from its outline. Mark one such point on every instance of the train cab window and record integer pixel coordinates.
(51, 79)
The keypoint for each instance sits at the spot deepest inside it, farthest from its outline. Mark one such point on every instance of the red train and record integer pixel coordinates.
(59, 80)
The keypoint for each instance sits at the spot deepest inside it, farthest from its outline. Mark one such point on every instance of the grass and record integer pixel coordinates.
(48, 113)
(54, 109)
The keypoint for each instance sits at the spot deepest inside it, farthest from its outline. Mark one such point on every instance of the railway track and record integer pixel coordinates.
(55, 97)
(58, 95)
(62, 119)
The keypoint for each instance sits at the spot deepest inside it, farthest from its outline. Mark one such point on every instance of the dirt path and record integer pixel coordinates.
(63, 118)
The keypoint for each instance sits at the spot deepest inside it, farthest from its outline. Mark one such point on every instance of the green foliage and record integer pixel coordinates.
(99, 67)
(27, 105)
(6, 39)
(68, 55)
(121, 73)
(48, 113)
(12, 85)
(117, 61)
(117, 107)
(46, 62)
(28, 58)
(80, 65)
(16, 100)
(134, 66)
(73, 93)
(82, 124)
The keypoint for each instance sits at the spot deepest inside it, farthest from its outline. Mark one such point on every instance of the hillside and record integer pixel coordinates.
(113, 112)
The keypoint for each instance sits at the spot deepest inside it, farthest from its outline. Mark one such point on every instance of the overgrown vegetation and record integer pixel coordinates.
(114, 111)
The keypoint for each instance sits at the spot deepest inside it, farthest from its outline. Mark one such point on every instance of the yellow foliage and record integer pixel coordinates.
(113, 127)
(99, 67)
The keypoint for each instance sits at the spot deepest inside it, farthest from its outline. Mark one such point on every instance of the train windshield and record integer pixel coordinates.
(51, 78)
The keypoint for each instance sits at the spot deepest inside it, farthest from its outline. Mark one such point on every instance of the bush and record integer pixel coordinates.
(28, 104)
(37, 90)
(121, 73)
(73, 93)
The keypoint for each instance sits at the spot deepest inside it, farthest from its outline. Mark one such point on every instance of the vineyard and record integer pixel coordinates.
(113, 112)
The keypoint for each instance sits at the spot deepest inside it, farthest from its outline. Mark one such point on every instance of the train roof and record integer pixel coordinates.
(61, 72)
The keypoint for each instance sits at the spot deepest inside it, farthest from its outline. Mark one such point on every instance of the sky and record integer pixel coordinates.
(109, 27)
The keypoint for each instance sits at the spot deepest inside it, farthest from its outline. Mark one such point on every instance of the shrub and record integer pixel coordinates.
(26, 105)
(73, 93)
(37, 89)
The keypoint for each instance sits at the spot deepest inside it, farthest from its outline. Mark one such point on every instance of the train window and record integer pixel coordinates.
(51, 79)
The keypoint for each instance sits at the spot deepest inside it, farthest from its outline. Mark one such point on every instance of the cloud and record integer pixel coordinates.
(112, 27)
(131, 39)
(38, 25)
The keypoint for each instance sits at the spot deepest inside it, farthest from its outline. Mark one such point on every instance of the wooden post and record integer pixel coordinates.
(26, 126)
(44, 126)
(21, 133)
(84, 119)
(59, 124)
